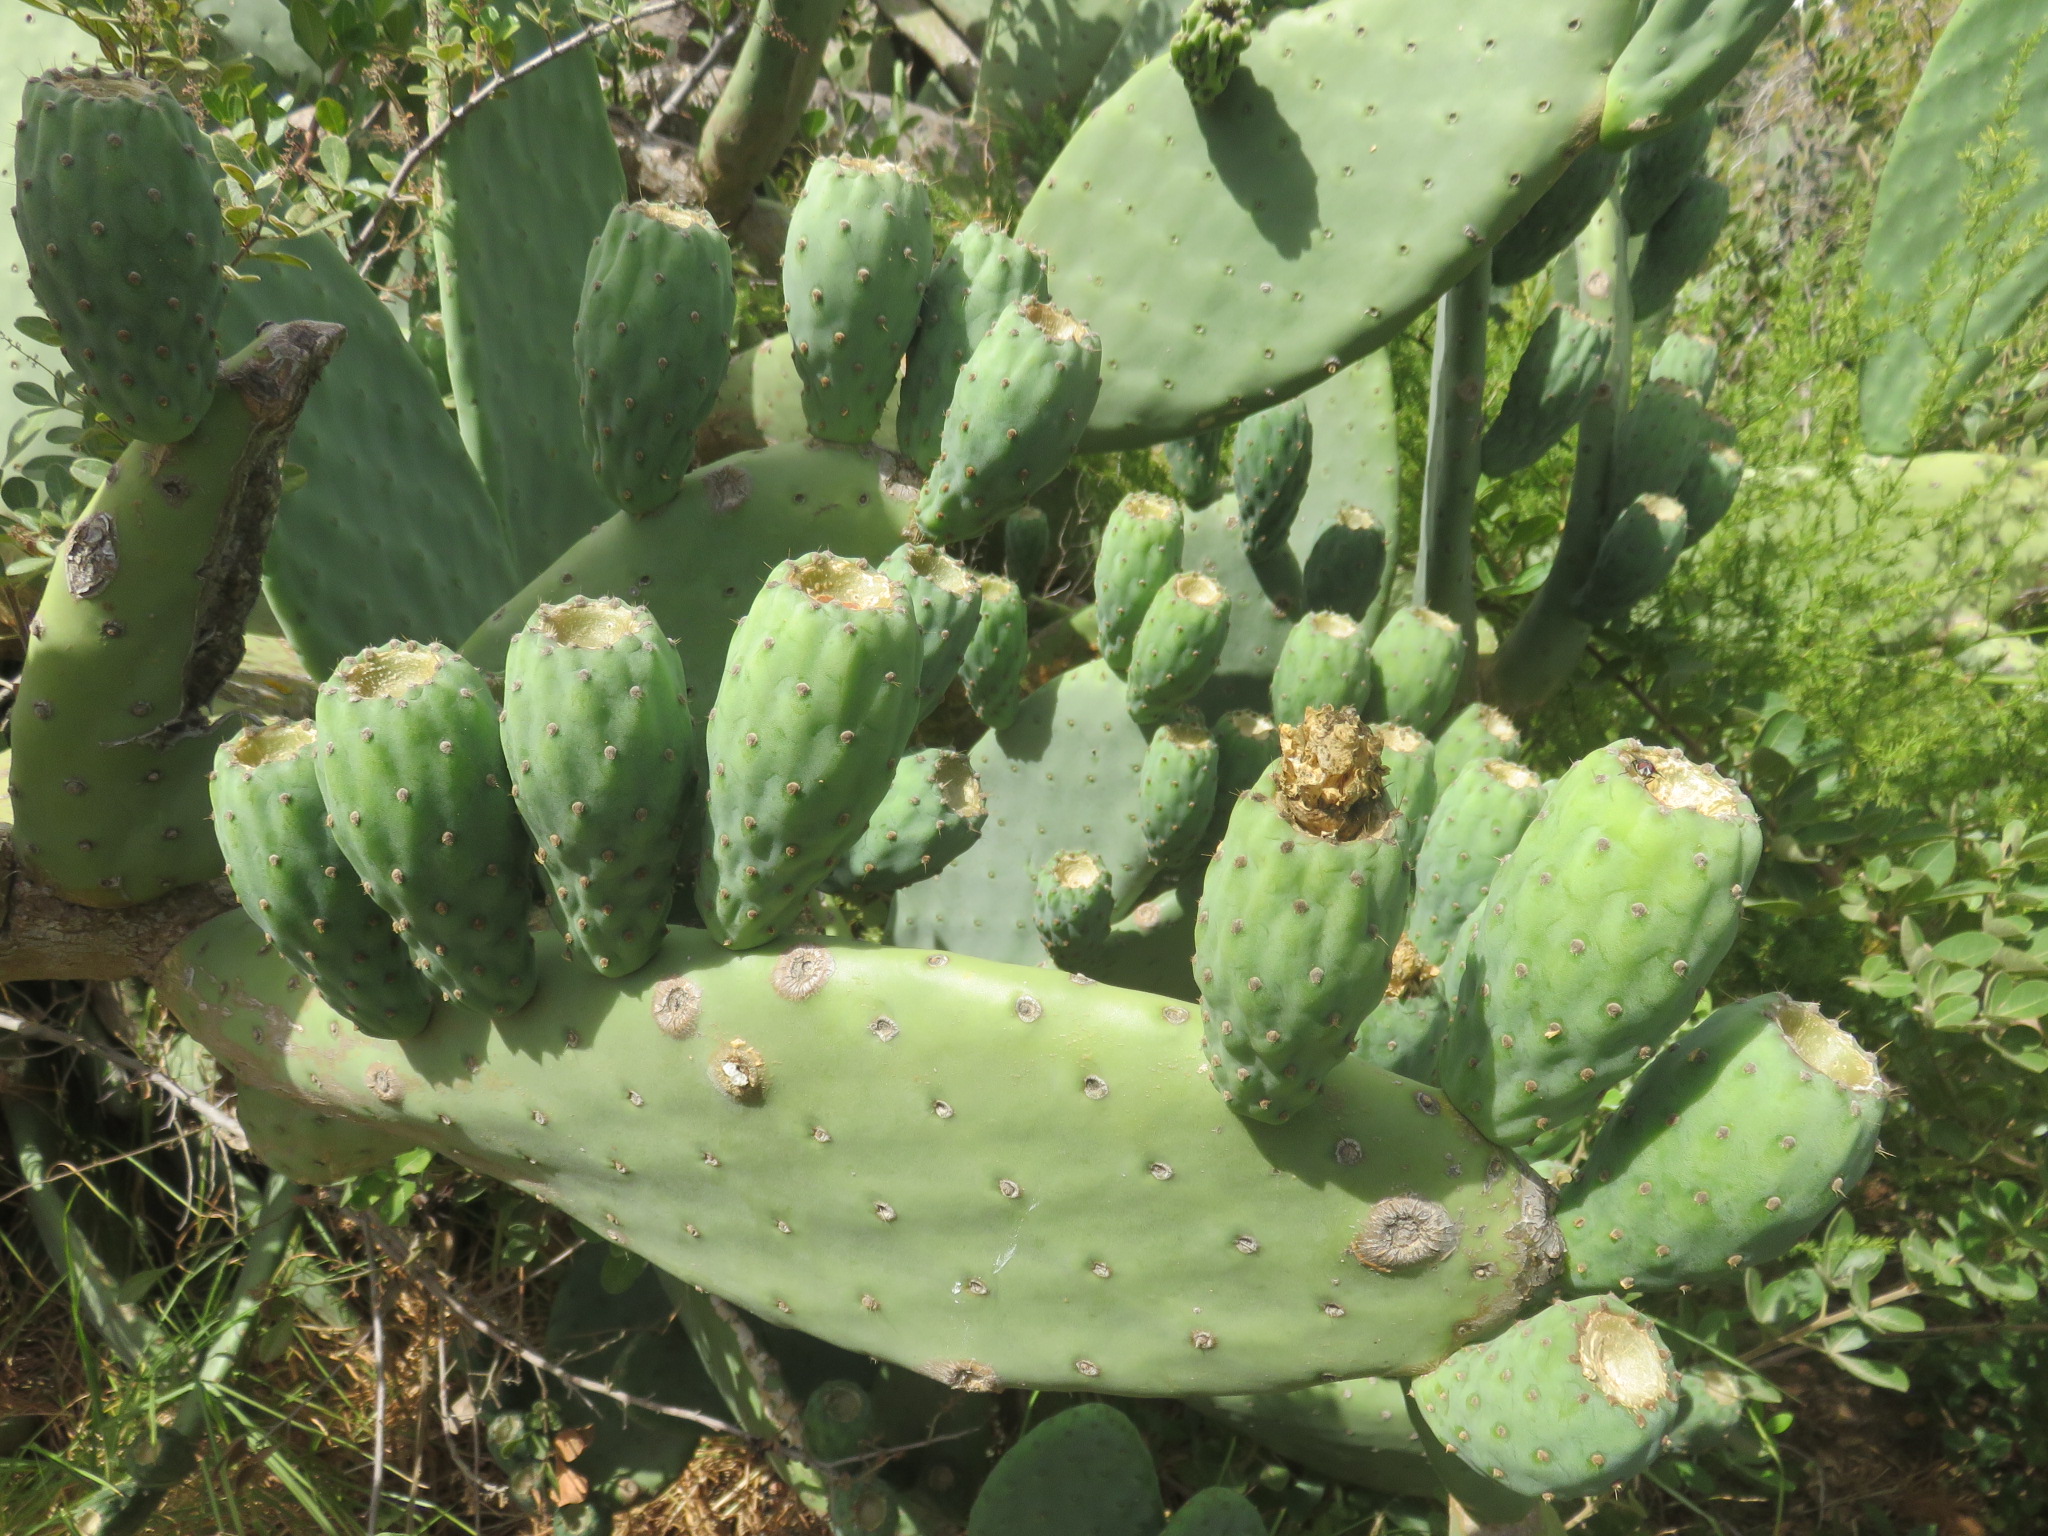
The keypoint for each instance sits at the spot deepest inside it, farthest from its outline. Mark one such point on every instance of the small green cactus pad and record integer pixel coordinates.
(1730, 1147)
(818, 695)
(1177, 791)
(1709, 490)
(1598, 936)
(1681, 56)
(1658, 169)
(1019, 406)
(1421, 655)
(1194, 466)
(511, 275)
(653, 338)
(1343, 571)
(1659, 440)
(1184, 234)
(992, 667)
(388, 486)
(308, 1145)
(853, 276)
(932, 814)
(596, 731)
(1264, 602)
(1518, 1408)
(1327, 661)
(832, 1134)
(294, 882)
(419, 799)
(1357, 464)
(1919, 267)
(983, 275)
(1409, 760)
(1071, 902)
(1636, 554)
(1177, 646)
(1141, 551)
(1299, 917)
(697, 563)
(945, 599)
(1211, 38)
(1217, 1511)
(1083, 1472)
(1677, 246)
(1074, 731)
(1553, 383)
(1710, 1411)
(1269, 471)
(1688, 360)
(139, 625)
(1547, 230)
(125, 245)
(1027, 544)
(1406, 1032)
(1478, 819)
(1356, 1431)
(1476, 731)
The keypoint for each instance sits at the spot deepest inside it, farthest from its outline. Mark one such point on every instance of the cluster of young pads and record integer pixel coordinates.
(1380, 884)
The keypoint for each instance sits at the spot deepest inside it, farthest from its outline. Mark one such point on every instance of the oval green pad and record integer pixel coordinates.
(1063, 773)
(1186, 238)
(511, 270)
(1356, 1431)
(1678, 245)
(295, 883)
(1084, 1472)
(1730, 1147)
(388, 486)
(1525, 1410)
(1915, 257)
(1553, 383)
(1086, 1097)
(697, 563)
(1679, 59)
(1217, 1512)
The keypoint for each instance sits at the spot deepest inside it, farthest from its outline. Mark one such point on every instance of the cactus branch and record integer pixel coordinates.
(44, 937)
(763, 101)
(1450, 477)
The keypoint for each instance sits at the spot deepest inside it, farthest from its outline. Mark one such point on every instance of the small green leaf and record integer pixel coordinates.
(1879, 1373)
(283, 259)
(331, 115)
(1972, 947)
(37, 329)
(28, 392)
(19, 494)
(90, 473)
(1892, 1319)
(29, 565)
(293, 478)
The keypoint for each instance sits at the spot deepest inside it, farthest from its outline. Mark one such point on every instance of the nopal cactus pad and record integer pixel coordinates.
(847, 1136)
(1571, 1401)
(818, 697)
(124, 242)
(419, 799)
(1299, 916)
(1730, 1147)
(295, 884)
(596, 732)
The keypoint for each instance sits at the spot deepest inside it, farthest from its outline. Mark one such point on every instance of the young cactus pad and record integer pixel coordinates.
(983, 274)
(1141, 552)
(596, 731)
(1569, 1402)
(853, 275)
(418, 798)
(848, 1136)
(1178, 645)
(932, 814)
(1598, 936)
(1299, 917)
(295, 884)
(818, 697)
(653, 338)
(1018, 409)
(124, 241)
(1730, 1147)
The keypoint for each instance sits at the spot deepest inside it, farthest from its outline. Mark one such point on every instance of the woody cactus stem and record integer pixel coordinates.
(1450, 476)
(757, 115)
(1543, 648)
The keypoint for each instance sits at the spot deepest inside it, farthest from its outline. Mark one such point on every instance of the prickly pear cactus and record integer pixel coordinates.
(125, 244)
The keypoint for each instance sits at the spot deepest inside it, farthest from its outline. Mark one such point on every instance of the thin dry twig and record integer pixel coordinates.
(687, 86)
(225, 1124)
